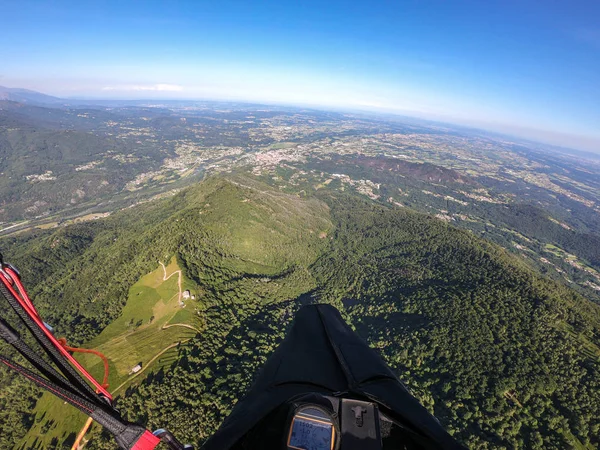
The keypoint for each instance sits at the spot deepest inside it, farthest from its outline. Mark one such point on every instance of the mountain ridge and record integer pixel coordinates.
(465, 324)
(28, 96)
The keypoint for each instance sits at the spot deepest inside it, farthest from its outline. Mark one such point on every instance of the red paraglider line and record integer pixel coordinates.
(21, 295)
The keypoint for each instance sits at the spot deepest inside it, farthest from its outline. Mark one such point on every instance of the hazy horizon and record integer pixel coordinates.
(509, 67)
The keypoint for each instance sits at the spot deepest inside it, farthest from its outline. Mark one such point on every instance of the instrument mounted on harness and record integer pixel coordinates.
(322, 389)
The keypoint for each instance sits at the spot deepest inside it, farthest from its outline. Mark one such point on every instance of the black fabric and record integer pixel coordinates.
(360, 425)
(322, 354)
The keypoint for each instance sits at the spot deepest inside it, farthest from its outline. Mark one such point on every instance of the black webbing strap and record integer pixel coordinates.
(125, 433)
(12, 337)
(68, 386)
(69, 372)
(78, 401)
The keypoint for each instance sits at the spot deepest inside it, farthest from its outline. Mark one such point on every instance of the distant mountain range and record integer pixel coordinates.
(27, 96)
(30, 97)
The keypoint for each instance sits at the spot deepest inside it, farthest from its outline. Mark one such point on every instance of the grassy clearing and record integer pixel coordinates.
(151, 326)
(282, 145)
(262, 231)
(47, 226)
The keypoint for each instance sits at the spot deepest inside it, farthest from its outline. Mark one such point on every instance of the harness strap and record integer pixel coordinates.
(147, 441)
(45, 338)
(126, 434)
(68, 386)
(11, 336)
(78, 401)
(23, 306)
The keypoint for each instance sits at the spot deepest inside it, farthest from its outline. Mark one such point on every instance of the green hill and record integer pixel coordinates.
(155, 321)
(503, 357)
(56, 159)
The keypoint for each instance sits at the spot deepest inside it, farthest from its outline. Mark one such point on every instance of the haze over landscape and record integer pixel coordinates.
(179, 179)
(523, 68)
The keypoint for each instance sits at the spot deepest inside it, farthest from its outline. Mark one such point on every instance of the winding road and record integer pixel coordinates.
(165, 278)
(148, 364)
(164, 327)
(81, 441)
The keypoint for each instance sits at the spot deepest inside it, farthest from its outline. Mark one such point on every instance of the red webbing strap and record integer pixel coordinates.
(125, 433)
(29, 308)
(146, 442)
(63, 342)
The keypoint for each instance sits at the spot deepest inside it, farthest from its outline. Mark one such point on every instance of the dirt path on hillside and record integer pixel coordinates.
(164, 327)
(255, 189)
(149, 363)
(164, 350)
(185, 325)
(165, 278)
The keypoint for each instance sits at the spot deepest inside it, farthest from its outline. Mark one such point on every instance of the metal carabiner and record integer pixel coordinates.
(5, 265)
(6, 275)
(171, 441)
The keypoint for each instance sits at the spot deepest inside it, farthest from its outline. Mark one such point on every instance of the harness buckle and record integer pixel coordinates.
(5, 265)
(171, 441)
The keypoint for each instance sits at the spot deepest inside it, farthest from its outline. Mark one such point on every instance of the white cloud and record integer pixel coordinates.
(145, 87)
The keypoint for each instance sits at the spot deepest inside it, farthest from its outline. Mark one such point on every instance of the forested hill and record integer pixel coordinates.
(503, 357)
(57, 159)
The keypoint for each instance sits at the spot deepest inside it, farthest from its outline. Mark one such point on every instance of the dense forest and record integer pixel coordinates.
(503, 357)
(555, 234)
(434, 188)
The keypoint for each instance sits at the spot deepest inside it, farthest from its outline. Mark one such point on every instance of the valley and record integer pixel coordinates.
(467, 177)
(470, 261)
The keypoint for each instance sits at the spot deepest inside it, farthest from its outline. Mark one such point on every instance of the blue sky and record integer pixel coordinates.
(530, 68)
